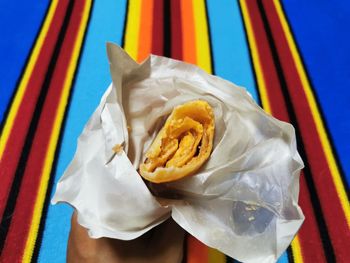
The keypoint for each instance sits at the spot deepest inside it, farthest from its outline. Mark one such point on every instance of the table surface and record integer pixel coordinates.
(293, 57)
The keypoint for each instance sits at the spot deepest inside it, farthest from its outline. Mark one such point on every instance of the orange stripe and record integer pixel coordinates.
(188, 31)
(145, 34)
(197, 251)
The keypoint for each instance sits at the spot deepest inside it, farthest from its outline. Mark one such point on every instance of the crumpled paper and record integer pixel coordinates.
(243, 201)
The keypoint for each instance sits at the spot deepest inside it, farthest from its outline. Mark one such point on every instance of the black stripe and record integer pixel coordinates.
(16, 184)
(166, 29)
(2, 123)
(57, 152)
(184, 247)
(290, 254)
(125, 23)
(320, 109)
(212, 64)
(231, 260)
(250, 55)
(326, 242)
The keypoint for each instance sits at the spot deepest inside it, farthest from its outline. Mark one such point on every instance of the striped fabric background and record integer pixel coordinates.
(292, 56)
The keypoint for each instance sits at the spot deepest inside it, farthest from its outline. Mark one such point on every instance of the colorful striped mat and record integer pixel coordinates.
(292, 56)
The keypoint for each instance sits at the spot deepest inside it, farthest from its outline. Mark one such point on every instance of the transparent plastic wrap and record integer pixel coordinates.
(243, 201)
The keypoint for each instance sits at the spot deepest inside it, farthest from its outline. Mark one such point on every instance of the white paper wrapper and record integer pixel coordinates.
(243, 201)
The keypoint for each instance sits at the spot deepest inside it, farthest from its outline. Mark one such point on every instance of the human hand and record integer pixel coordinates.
(163, 243)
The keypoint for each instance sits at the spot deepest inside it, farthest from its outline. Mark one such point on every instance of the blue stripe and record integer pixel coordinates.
(19, 25)
(321, 30)
(283, 258)
(229, 47)
(106, 24)
(230, 50)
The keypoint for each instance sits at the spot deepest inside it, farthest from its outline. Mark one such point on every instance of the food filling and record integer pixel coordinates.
(182, 145)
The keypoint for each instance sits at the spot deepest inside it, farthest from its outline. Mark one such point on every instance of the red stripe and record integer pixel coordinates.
(309, 236)
(276, 99)
(196, 251)
(176, 30)
(157, 29)
(14, 146)
(21, 219)
(329, 199)
(309, 233)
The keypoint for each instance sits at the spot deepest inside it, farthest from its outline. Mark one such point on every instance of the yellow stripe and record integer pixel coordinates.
(215, 256)
(204, 61)
(132, 28)
(316, 116)
(34, 226)
(296, 248)
(24, 81)
(256, 58)
(202, 35)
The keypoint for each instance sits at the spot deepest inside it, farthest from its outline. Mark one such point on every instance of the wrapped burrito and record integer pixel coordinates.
(169, 140)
